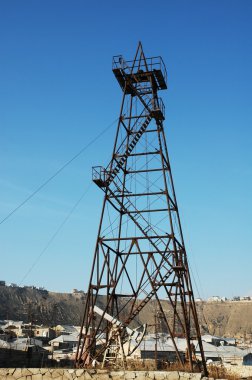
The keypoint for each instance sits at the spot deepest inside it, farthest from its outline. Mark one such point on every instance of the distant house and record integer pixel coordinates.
(20, 329)
(225, 354)
(13, 328)
(214, 340)
(214, 299)
(78, 291)
(64, 341)
(9, 323)
(23, 344)
(44, 333)
(198, 300)
(66, 329)
(163, 351)
(236, 298)
(246, 298)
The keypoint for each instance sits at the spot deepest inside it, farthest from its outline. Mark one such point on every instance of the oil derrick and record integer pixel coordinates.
(140, 253)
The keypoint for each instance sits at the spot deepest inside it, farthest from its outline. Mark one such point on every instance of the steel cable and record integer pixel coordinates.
(54, 235)
(40, 187)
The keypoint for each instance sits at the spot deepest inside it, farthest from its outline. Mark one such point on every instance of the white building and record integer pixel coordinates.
(214, 299)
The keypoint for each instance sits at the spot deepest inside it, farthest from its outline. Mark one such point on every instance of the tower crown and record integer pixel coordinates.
(140, 72)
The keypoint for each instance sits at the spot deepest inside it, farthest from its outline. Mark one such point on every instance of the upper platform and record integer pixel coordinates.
(140, 71)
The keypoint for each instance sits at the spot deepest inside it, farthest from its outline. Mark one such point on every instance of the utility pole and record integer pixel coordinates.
(156, 341)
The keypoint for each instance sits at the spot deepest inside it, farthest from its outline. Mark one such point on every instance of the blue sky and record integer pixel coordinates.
(58, 93)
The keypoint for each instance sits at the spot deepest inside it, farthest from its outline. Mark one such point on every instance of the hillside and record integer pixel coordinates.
(230, 319)
(223, 319)
(26, 304)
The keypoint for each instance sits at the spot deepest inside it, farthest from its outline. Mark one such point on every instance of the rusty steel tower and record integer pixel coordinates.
(140, 253)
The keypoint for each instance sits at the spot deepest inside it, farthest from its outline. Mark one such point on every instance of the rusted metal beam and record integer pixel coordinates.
(129, 205)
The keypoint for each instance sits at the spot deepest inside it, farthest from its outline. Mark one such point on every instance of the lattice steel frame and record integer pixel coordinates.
(162, 258)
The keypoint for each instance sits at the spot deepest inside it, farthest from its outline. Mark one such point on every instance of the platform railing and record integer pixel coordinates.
(153, 63)
(99, 175)
(158, 106)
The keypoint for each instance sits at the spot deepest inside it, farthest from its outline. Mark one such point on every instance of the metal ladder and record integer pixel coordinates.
(131, 146)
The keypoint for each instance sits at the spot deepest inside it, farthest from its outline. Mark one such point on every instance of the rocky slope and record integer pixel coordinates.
(231, 319)
(26, 304)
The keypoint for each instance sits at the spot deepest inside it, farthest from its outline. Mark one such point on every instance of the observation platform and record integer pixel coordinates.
(100, 176)
(140, 71)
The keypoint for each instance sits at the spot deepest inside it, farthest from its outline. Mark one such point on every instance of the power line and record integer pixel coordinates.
(57, 172)
(55, 234)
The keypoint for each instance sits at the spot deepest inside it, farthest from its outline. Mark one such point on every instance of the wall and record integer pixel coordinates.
(18, 358)
(80, 374)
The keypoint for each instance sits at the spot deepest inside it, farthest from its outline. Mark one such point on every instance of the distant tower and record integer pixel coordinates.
(140, 253)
